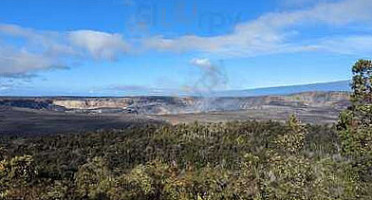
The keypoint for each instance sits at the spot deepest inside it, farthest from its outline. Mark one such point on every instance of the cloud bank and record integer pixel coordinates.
(272, 32)
(40, 50)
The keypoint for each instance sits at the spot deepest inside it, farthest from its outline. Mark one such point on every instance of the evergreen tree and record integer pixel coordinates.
(355, 123)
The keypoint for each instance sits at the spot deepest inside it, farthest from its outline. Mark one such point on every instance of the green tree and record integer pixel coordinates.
(355, 123)
(93, 179)
(293, 141)
(135, 185)
(17, 175)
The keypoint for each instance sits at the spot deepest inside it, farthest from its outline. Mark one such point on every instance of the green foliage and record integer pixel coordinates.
(57, 190)
(135, 185)
(16, 175)
(235, 160)
(93, 180)
(293, 141)
(362, 88)
(355, 124)
(298, 177)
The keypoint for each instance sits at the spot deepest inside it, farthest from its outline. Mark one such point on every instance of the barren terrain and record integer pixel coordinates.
(78, 114)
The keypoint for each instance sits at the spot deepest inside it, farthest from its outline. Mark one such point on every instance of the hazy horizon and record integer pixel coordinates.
(337, 86)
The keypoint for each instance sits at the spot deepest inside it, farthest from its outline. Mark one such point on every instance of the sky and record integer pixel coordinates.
(172, 47)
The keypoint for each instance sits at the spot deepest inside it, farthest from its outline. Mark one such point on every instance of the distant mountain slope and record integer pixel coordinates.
(318, 87)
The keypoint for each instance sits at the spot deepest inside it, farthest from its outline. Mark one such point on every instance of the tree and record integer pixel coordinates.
(17, 176)
(93, 179)
(355, 123)
(293, 141)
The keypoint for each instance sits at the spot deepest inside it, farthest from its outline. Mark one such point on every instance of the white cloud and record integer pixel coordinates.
(201, 62)
(17, 31)
(49, 49)
(4, 87)
(17, 62)
(98, 44)
(355, 45)
(270, 33)
(301, 3)
(52, 43)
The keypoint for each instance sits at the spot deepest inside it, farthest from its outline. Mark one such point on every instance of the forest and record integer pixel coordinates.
(209, 161)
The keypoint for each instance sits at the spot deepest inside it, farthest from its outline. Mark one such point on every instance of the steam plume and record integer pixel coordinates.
(212, 78)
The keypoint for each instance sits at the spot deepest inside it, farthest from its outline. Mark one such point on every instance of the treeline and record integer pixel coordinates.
(217, 161)
(236, 160)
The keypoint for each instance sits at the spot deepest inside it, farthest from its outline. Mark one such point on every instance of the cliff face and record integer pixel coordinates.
(93, 103)
(174, 105)
(144, 105)
(313, 99)
(334, 100)
(32, 103)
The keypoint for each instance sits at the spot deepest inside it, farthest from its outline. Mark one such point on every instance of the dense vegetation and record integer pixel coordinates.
(235, 160)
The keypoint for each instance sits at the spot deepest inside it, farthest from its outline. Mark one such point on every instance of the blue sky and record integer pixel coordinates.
(135, 47)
